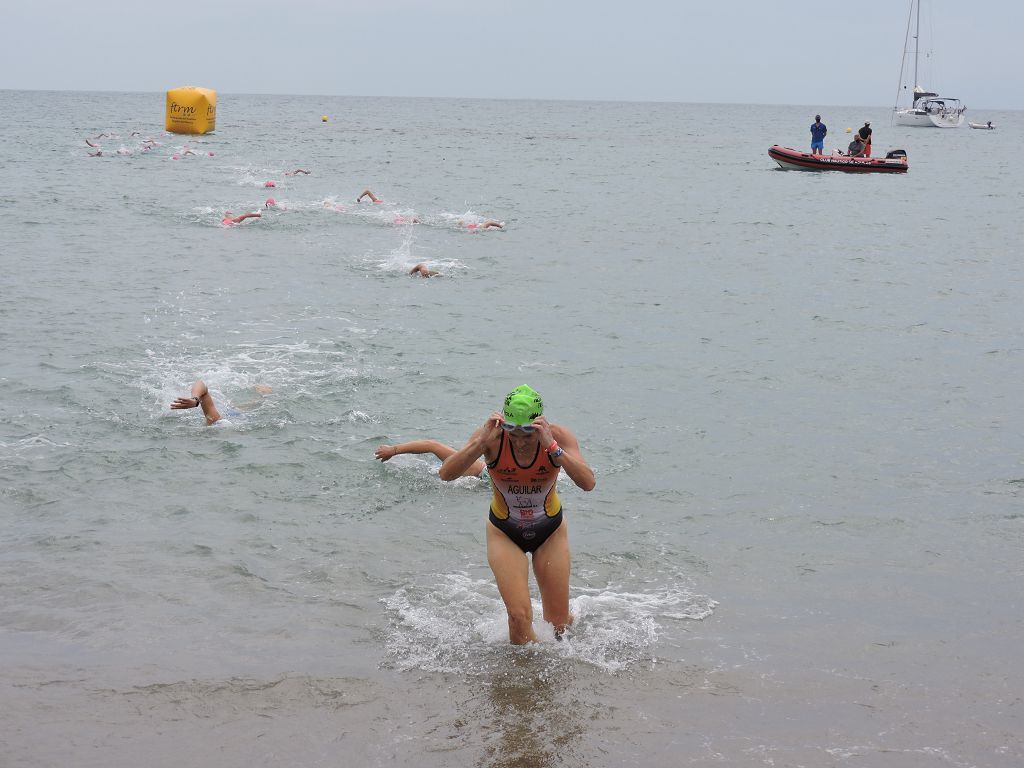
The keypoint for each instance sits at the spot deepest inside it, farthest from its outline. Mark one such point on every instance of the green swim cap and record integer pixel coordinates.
(522, 405)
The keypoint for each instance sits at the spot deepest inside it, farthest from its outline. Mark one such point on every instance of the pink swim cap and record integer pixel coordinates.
(271, 202)
(210, 154)
(227, 221)
(472, 226)
(269, 184)
(174, 157)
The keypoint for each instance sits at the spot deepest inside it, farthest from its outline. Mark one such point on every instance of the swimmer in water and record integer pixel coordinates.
(201, 398)
(271, 202)
(525, 453)
(94, 146)
(230, 220)
(296, 172)
(368, 193)
(439, 449)
(489, 224)
(421, 270)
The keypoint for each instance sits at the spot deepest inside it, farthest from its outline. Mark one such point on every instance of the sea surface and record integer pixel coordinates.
(800, 394)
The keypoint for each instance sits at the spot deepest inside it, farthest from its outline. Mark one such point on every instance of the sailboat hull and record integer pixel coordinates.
(919, 118)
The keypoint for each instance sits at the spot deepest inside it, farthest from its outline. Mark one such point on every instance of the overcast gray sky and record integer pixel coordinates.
(741, 51)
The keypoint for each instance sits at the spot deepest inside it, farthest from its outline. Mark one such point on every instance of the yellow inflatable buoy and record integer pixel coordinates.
(323, 118)
(191, 110)
(849, 130)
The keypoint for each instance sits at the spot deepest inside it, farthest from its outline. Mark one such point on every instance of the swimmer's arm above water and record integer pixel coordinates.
(483, 442)
(439, 449)
(436, 447)
(570, 459)
(239, 219)
(200, 398)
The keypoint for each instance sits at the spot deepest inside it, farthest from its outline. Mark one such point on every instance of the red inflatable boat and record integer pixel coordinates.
(794, 160)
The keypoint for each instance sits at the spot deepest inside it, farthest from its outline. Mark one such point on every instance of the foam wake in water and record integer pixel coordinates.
(401, 259)
(455, 624)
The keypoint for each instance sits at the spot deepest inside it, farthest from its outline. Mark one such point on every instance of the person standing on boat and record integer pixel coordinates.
(865, 136)
(818, 131)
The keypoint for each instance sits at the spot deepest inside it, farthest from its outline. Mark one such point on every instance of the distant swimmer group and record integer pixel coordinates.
(468, 221)
(400, 219)
(143, 145)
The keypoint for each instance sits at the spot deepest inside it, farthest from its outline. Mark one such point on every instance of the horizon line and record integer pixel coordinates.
(489, 98)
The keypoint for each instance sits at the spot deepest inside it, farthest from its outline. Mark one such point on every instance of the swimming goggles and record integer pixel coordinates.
(526, 429)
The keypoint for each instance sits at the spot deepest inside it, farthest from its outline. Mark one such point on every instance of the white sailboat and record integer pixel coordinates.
(927, 109)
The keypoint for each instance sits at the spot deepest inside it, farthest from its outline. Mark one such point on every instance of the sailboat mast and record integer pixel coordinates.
(917, 42)
(903, 59)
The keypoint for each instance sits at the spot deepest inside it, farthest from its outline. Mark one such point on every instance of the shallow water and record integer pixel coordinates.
(798, 393)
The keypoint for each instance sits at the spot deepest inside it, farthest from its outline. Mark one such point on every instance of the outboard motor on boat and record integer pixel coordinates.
(896, 154)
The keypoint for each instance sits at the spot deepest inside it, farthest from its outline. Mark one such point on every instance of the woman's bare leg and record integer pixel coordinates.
(551, 565)
(511, 570)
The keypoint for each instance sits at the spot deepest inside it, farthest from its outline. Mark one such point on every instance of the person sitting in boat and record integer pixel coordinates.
(865, 136)
(856, 148)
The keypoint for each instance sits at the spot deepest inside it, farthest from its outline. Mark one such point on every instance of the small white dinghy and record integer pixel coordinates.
(983, 126)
